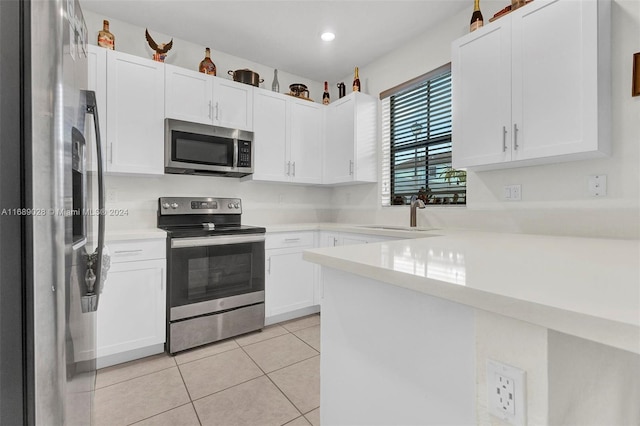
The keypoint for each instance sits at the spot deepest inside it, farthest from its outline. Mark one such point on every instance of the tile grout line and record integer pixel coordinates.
(274, 384)
(136, 377)
(303, 341)
(162, 412)
(188, 393)
(208, 356)
(191, 400)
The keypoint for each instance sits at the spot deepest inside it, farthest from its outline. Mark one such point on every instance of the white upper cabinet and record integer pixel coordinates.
(97, 82)
(534, 87)
(288, 135)
(350, 153)
(305, 150)
(135, 114)
(201, 98)
(270, 128)
(233, 104)
(188, 95)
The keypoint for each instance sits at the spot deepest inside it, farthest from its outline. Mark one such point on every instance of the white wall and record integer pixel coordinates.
(554, 197)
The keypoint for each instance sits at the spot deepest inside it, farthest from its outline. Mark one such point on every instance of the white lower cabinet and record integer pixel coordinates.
(293, 286)
(290, 281)
(132, 305)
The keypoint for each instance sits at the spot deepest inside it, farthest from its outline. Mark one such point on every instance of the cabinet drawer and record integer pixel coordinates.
(289, 239)
(136, 250)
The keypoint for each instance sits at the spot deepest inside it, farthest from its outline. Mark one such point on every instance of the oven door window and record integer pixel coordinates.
(213, 272)
(201, 149)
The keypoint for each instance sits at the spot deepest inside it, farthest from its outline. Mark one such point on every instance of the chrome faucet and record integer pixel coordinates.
(414, 204)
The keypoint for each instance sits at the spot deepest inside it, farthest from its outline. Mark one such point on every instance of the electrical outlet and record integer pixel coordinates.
(111, 196)
(506, 392)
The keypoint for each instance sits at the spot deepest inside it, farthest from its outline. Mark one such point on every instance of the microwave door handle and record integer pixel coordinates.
(92, 108)
(235, 153)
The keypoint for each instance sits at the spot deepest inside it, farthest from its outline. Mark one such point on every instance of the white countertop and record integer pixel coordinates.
(135, 234)
(373, 229)
(585, 287)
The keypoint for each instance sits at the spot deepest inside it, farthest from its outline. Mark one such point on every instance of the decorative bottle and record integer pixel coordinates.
(476, 17)
(275, 86)
(325, 96)
(356, 79)
(105, 38)
(206, 65)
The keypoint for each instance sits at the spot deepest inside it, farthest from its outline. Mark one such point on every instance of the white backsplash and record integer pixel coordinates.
(262, 203)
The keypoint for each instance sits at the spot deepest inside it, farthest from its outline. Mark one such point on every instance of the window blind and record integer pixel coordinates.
(416, 143)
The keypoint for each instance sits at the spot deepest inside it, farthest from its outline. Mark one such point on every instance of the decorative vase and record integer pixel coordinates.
(275, 86)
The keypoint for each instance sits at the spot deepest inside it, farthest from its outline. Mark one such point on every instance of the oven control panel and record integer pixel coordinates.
(199, 205)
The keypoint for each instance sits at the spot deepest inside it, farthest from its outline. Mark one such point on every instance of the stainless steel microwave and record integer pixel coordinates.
(201, 149)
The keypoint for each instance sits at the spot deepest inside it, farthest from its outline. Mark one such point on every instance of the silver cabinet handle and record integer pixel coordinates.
(294, 169)
(291, 240)
(269, 265)
(111, 152)
(335, 241)
(210, 108)
(217, 110)
(288, 168)
(351, 167)
(504, 138)
(515, 136)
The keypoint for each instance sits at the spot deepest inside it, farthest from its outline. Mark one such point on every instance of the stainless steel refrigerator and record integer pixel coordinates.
(52, 221)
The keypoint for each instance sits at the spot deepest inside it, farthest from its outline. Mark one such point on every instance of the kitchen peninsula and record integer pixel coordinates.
(409, 326)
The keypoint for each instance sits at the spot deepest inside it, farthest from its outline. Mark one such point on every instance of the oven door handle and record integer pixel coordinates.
(215, 241)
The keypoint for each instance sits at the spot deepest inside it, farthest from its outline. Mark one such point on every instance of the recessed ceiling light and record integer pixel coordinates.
(328, 36)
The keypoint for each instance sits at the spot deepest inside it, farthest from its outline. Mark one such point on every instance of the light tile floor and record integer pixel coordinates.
(265, 378)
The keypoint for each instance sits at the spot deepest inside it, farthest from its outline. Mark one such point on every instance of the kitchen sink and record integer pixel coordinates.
(396, 228)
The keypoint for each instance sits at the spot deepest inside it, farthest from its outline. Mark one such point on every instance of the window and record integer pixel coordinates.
(416, 142)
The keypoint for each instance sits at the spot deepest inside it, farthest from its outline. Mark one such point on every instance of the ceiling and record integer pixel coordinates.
(286, 34)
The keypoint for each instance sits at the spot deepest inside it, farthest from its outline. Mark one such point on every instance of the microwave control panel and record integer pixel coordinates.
(244, 153)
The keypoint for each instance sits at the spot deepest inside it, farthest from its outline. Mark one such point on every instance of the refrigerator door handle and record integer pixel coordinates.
(95, 267)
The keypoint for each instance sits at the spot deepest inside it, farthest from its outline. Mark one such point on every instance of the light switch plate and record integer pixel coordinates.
(506, 387)
(512, 192)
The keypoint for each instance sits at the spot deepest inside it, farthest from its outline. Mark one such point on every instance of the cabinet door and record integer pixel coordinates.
(135, 114)
(348, 240)
(555, 78)
(289, 283)
(481, 95)
(329, 239)
(132, 306)
(306, 142)
(188, 95)
(97, 81)
(340, 142)
(233, 104)
(270, 136)
(365, 168)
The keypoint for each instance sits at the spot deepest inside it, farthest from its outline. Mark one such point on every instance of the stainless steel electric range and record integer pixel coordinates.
(215, 271)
